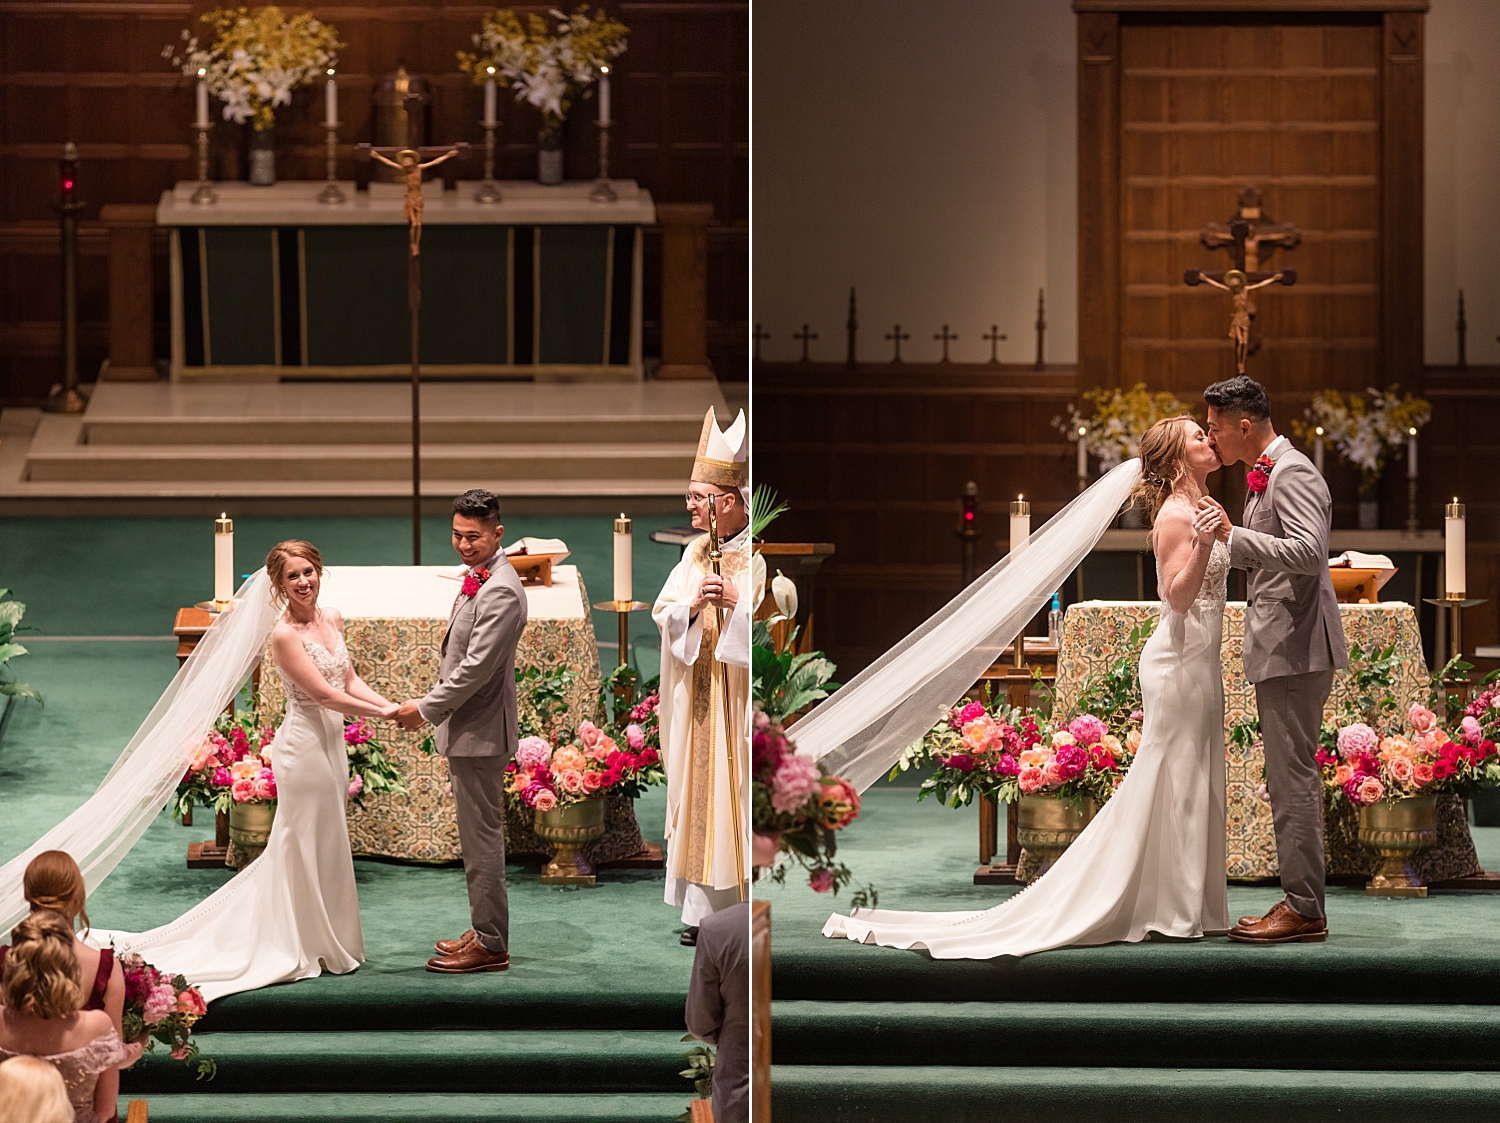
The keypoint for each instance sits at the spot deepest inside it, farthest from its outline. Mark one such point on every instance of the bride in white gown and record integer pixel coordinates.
(1153, 859)
(294, 911)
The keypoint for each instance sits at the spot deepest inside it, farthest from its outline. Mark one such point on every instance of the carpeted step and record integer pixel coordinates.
(952, 1094)
(1197, 1035)
(609, 1061)
(1215, 970)
(357, 1108)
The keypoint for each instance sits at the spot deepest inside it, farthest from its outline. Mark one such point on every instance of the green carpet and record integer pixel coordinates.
(1399, 1010)
(122, 576)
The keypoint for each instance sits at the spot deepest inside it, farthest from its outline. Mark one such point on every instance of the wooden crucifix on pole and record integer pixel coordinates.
(409, 161)
(1239, 283)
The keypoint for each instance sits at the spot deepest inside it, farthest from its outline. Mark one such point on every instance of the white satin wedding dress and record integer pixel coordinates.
(1153, 859)
(294, 911)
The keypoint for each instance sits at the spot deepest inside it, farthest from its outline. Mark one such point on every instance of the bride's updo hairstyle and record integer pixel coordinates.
(42, 976)
(276, 561)
(1163, 462)
(54, 881)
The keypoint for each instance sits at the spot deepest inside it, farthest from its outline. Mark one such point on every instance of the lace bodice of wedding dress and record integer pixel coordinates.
(332, 665)
(80, 1069)
(1153, 859)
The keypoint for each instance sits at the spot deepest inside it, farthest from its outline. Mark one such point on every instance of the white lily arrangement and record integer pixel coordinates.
(1364, 433)
(1120, 419)
(257, 59)
(548, 68)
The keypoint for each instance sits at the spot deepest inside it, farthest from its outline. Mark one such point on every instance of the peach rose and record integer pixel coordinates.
(1060, 738)
(263, 789)
(1112, 744)
(1400, 769)
(1035, 758)
(1133, 741)
(568, 759)
(245, 769)
(201, 757)
(1397, 746)
(1030, 780)
(1371, 790)
(243, 790)
(1343, 774)
(592, 780)
(546, 801)
(570, 781)
(1421, 773)
(1422, 719)
(1052, 773)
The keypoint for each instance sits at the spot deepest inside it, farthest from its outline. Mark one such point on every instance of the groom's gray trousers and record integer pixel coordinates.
(479, 792)
(1291, 718)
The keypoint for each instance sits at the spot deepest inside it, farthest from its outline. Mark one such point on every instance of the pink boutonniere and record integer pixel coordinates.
(474, 580)
(1259, 477)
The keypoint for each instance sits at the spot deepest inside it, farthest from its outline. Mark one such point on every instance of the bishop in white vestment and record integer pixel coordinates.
(705, 730)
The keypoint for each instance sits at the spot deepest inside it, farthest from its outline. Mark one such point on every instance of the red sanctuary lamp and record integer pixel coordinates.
(65, 397)
(968, 529)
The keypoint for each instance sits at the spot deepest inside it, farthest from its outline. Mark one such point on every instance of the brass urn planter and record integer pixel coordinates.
(1046, 825)
(250, 827)
(1398, 832)
(568, 830)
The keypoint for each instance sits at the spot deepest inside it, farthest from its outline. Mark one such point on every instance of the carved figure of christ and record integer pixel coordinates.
(407, 163)
(1239, 283)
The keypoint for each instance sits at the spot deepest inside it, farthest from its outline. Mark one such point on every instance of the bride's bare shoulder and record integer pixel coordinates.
(1174, 517)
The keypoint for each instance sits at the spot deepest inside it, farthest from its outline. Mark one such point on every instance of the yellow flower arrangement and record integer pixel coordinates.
(1120, 419)
(548, 67)
(1364, 433)
(257, 59)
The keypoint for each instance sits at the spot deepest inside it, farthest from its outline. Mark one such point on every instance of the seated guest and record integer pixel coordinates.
(41, 992)
(54, 881)
(33, 1092)
(718, 1006)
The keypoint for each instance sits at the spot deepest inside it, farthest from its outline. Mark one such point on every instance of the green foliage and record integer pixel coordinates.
(545, 693)
(1116, 693)
(784, 682)
(1450, 703)
(11, 612)
(1374, 677)
(765, 508)
(700, 1061)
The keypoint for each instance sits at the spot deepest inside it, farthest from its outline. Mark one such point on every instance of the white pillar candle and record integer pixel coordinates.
(1456, 556)
(489, 99)
(331, 101)
(1318, 449)
(1083, 453)
(604, 95)
(1411, 454)
(223, 558)
(202, 99)
(623, 591)
(1020, 523)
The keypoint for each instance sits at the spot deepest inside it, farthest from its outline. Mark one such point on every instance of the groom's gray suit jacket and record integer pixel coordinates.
(1292, 624)
(473, 705)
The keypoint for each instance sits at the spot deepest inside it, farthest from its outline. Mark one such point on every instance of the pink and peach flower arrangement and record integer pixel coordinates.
(549, 774)
(232, 764)
(162, 1007)
(1363, 767)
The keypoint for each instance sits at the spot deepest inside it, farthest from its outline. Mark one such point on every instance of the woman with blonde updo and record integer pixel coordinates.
(293, 913)
(41, 992)
(33, 1092)
(1152, 859)
(54, 882)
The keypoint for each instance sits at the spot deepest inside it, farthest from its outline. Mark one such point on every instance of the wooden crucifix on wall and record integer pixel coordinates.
(1239, 283)
(1262, 240)
(410, 162)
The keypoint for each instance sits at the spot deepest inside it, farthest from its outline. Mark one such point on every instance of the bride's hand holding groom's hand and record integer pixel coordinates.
(409, 717)
(1221, 531)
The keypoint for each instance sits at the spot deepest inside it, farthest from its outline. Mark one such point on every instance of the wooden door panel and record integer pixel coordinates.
(1301, 46)
(1250, 155)
(1357, 207)
(1195, 99)
(1302, 98)
(1303, 153)
(1352, 261)
(1146, 153)
(1144, 99)
(1251, 98)
(1195, 150)
(1355, 153)
(1355, 98)
(1196, 46)
(1146, 262)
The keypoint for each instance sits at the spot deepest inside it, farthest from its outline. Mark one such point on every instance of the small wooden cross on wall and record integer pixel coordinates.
(993, 338)
(946, 337)
(1239, 283)
(896, 335)
(757, 336)
(806, 336)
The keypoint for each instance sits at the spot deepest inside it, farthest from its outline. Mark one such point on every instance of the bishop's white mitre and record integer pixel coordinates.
(723, 457)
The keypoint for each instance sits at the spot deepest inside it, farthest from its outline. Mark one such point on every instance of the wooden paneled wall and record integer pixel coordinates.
(92, 72)
(875, 459)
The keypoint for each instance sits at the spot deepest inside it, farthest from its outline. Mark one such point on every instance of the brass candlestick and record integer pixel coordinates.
(488, 192)
(603, 192)
(205, 193)
(331, 192)
(624, 608)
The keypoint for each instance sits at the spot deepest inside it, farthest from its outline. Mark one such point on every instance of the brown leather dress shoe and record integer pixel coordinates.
(470, 959)
(448, 947)
(1282, 925)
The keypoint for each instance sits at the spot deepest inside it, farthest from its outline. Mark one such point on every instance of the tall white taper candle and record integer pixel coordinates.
(1318, 449)
(604, 95)
(1083, 453)
(1457, 577)
(223, 559)
(489, 98)
(1411, 454)
(331, 101)
(202, 98)
(1020, 523)
(623, 591)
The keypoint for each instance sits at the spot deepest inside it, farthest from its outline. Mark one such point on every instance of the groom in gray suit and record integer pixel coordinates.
(1294, 641)
(473, 707)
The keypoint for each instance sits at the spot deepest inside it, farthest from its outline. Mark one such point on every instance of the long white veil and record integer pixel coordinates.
(862, 730)
(103, 830)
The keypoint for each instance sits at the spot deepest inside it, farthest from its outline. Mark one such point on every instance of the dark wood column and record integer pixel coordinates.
(1098, 199)
(1401, 225)
(130, 227)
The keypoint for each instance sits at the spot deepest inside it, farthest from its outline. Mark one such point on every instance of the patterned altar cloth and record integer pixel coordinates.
(1095, 633)
(394, 621)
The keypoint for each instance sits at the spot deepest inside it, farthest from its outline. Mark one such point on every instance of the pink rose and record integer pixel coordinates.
(243, 790)
(589, 734)
(1257, 481)
(263, 788)
(1072, 761)
(1030, 780)
(532, 753)
(1400, 769)
(635, 737)
(222, 778)
(1087, 729)
(1052, 773)
(545, 801)
(795, 779)
(1471, 731)
(1356, 740)
(1422, 719)
(181, 1052)
(1262, 794)
(571, 781)
(821, 882)
(593, 781)
(191, 1002)
(1371, 790)
(961, 762)
(972, 712)
(356, 785)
